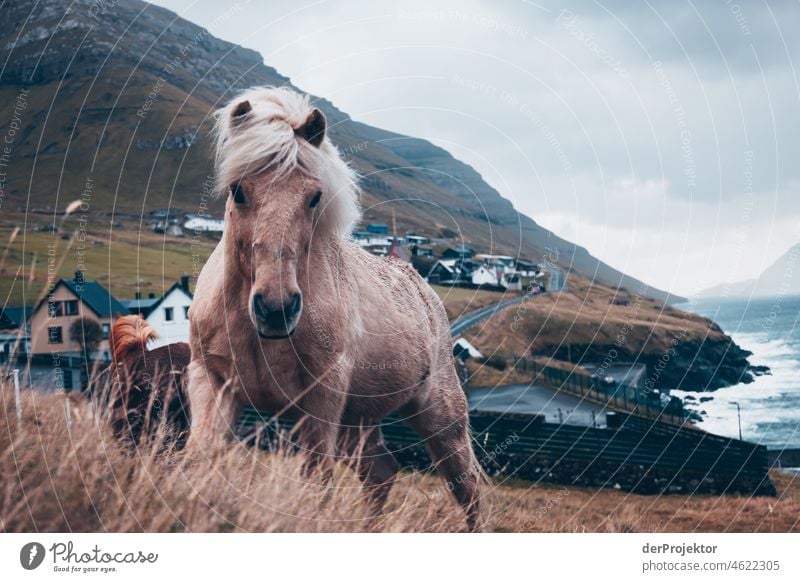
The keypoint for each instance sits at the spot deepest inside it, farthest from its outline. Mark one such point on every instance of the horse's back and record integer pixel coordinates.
(399, 289)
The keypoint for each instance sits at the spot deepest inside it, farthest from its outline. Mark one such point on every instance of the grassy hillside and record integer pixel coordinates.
(78, 479)
(124, 259)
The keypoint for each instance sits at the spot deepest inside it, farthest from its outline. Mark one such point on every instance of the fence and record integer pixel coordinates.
(636, 454)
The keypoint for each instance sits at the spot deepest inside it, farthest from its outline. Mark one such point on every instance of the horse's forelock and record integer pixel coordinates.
(258, 132)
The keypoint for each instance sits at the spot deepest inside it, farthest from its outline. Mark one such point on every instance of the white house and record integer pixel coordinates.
(487, 275)
(506, 262)
(168, 315)
(447, 271)
(203, 224)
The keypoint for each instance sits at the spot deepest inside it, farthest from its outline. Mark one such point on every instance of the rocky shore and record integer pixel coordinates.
(590, 324)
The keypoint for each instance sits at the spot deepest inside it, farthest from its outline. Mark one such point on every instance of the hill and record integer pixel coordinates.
(781, 278)
(114, 106)
(591, 325)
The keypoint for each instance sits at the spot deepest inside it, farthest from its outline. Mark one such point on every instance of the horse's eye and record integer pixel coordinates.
(237, 193)
(315, 200)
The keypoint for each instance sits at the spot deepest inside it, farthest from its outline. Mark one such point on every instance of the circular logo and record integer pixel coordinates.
(31, 555)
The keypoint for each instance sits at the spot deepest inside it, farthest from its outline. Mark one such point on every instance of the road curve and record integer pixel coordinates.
(473, 318)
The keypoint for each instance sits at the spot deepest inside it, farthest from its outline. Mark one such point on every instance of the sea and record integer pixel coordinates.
(770, 406)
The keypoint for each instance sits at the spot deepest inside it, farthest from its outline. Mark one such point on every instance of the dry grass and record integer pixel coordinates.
(459, 301)
(79, 479)
(585, 315)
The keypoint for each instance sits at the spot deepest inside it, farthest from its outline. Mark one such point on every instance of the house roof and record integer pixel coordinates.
(143, 306)
(95, 297)
(175, 287)
(464, 345)
(14, 317)
(463, 249)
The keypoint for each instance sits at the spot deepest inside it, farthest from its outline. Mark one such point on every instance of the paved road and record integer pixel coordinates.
(557, 407)
(473, 318)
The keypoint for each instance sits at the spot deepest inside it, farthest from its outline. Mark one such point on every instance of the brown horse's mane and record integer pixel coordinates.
(130, 333)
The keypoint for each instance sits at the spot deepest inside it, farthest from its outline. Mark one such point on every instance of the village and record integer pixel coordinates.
(53, 340)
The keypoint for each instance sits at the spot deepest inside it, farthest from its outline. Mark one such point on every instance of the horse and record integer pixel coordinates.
(147, 388)
(291, 316)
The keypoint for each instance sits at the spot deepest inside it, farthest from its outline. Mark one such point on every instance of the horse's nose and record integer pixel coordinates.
(274, 315)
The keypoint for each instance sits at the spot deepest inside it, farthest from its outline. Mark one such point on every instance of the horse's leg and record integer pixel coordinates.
(213, 407)
(374, 463)
(322, 408)
(441, 421)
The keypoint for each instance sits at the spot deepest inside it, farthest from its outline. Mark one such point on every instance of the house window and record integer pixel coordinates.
(55, 335)
(68, 386)
(168, 313)
(186, 312)
(55, 308)
(106, 330)
(71, 307)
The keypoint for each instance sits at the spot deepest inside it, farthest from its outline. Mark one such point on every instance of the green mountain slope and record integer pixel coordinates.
(118, 107)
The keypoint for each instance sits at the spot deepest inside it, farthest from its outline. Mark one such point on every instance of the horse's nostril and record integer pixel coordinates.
(260, 306)
(294, 305)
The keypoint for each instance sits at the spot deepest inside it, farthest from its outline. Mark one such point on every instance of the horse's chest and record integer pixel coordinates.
(271, 379)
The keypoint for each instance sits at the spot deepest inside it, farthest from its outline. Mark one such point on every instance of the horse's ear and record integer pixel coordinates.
(240, 110)
(313, 130)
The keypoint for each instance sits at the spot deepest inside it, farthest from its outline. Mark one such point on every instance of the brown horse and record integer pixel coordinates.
(290, 316)
(147, 388)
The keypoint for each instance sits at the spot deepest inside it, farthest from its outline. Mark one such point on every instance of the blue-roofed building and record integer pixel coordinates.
(378, 228)
(14, 337)
(71, 299)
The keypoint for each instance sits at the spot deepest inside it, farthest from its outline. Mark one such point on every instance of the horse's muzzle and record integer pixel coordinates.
(276, 321)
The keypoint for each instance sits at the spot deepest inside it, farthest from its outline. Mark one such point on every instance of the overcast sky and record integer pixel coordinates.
(663, 137)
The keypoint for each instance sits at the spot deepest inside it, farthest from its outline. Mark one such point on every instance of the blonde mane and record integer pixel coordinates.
(264, 139)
